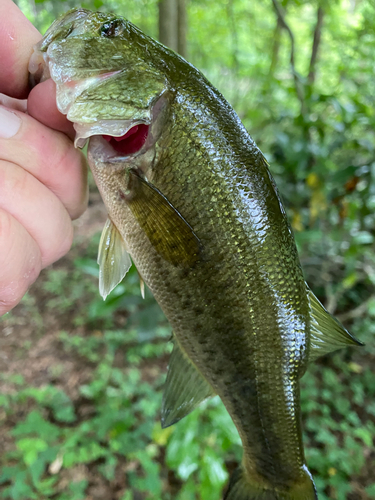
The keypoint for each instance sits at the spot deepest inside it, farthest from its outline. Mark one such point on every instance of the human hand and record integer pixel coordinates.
(43, 178)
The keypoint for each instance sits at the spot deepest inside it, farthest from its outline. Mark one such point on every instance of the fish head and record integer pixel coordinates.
(109, 87)
(112, 82)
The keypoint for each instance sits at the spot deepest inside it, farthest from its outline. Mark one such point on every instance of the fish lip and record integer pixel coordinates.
(38, 66)
(39, 71)
(68, 90)
(118, 128)
(39, 61)
(103, 148)
(105, 153)
(113, 128)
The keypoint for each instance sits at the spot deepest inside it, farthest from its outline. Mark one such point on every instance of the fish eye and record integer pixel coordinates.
(112, 28)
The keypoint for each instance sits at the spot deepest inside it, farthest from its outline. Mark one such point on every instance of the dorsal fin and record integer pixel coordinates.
(185, 388)
(327, 333)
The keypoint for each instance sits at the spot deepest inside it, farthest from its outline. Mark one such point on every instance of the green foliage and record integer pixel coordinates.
(202, 461)
(330, 400)
(123, 427)
(53, 437)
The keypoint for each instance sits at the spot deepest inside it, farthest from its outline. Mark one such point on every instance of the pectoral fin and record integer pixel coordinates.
(167, 230)
(185, 388)
(113, 259)
(327, 333)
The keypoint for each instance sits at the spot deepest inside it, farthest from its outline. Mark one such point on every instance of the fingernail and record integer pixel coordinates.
(9, 123)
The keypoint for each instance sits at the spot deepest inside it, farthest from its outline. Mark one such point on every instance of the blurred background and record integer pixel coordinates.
(81, 379)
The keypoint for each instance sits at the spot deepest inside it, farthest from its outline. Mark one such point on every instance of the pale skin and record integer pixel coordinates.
(43, 178)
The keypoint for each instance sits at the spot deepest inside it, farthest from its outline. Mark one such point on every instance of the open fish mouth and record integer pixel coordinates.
(124, 140)
(131, 142)
(122, 137)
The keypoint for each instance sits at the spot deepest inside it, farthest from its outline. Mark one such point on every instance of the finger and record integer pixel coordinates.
(37, 209)
(47, 155)
(10, 102)
(17, 37)
(41, 105)
(21, 261)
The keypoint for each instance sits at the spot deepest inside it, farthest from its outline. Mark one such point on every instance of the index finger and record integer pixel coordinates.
(17, 38)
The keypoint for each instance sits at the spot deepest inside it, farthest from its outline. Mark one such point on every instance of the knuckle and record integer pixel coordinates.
(13, 179)
(67, 240)
(80, 205)
(68, 175)
(5, 225)
(21, 262)
(61, 246)
(61, 154)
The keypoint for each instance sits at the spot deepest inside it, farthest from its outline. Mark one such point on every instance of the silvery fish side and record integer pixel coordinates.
(191, 201)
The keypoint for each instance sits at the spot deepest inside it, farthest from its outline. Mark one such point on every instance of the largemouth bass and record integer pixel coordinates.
(192, 203)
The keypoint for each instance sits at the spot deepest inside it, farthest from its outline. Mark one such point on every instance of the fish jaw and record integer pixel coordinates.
(120, 107)
(103, 98)
(109, 104)
(39, 61)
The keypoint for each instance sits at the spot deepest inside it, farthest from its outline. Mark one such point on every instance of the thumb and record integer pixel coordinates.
(41, 105)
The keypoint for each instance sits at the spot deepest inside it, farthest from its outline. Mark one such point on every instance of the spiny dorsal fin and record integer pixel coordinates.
(327, 333)
(113, 259)
(185, 388)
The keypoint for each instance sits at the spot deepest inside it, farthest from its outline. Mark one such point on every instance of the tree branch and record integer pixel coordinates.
(297, 82)
(316, 43)
(234, 35)
(357, 312)
(182, 28)
(275, 48)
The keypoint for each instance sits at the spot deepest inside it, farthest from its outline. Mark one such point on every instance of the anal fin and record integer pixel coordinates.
(185, 388)
(113, 259)
(327, 333)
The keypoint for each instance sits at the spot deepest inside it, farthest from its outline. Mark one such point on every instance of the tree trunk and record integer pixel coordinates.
(168, 15)
(316, 43)
(173, 25)
(182, 28)
(275, 48)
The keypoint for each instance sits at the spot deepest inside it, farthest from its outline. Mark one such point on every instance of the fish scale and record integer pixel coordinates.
(217, 279)
(198, 212)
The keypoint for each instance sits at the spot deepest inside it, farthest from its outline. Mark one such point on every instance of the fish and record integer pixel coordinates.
(192, 203)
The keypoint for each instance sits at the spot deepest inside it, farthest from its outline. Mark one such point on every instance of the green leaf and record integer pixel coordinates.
(370, 490)
(31, 447)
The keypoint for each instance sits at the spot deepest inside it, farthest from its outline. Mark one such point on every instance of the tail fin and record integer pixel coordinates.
(241, 489)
